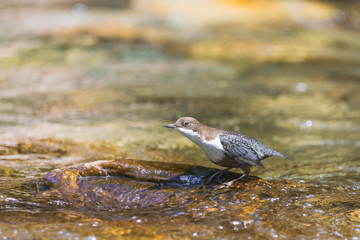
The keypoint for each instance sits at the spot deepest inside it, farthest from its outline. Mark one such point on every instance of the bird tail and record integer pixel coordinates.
(275, 153)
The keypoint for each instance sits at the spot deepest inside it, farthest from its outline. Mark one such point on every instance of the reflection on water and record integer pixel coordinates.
(104, 78)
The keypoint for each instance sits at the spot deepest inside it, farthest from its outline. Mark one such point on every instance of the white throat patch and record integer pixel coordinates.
(213, 149)
(190, 134)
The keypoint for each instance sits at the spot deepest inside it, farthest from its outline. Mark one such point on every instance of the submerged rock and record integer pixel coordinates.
(158, 193)
(114, 184)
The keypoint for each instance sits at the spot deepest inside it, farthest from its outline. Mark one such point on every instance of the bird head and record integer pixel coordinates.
(187, 126)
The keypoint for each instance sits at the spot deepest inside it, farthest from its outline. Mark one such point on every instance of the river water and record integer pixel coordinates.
(88, 81)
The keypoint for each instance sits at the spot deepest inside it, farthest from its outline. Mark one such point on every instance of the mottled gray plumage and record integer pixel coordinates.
(245, 149)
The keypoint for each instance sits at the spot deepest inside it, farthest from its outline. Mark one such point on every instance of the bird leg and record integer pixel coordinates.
(246, 173)
(218, 173)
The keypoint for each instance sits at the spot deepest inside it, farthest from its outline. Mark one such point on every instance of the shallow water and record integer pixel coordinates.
(95, 82)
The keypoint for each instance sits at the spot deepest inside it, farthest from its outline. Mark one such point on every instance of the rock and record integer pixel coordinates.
(159, 193)
(124, 183)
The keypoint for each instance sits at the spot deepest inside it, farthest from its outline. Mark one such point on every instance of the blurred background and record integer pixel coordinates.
(113, 72)
(88, 80)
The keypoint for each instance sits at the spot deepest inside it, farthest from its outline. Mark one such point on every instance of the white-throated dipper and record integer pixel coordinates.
(225, 148)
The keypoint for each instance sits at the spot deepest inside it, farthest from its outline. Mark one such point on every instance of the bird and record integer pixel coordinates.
(225, 148)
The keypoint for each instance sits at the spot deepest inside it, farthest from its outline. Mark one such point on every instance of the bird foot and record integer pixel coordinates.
(218, 174)
(228, 184)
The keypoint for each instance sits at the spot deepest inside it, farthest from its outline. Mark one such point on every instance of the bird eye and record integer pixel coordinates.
(186, 124)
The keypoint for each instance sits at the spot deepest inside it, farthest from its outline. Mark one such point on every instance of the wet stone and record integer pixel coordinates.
(114, 184)
(283, 208)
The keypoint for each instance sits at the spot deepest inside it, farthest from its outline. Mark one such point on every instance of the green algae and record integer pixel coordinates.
(49, 53)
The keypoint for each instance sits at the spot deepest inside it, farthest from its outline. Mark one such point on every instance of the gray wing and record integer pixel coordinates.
(245, 149)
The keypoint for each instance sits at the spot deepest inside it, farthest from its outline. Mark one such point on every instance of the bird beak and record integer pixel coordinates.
(170, 126)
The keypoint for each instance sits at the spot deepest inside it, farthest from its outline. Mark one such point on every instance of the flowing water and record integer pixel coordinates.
(81, 82)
